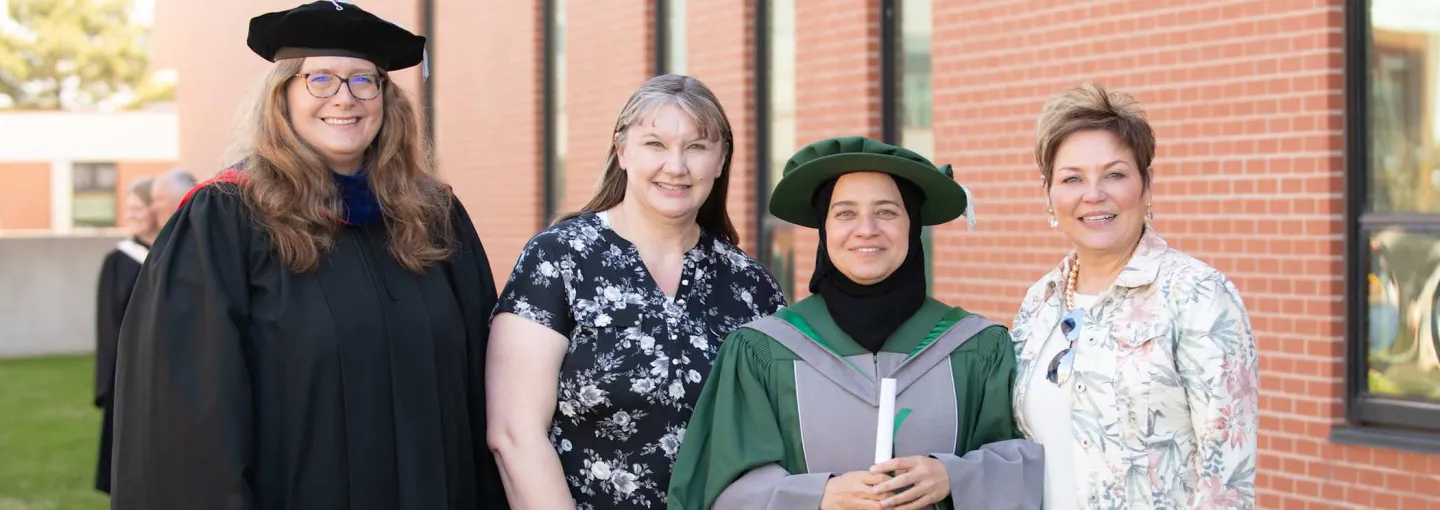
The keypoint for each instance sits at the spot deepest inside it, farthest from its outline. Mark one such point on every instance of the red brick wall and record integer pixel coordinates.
(25, 197)
(489, 119)
(610, 53)
(490, 110)
(1247, 101)
(721, 53)
(1246, 97)
(837, 88)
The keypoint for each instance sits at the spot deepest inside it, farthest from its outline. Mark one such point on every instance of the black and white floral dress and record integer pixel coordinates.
(637, 359)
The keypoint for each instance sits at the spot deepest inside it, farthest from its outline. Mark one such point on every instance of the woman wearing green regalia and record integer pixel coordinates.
(788, 415)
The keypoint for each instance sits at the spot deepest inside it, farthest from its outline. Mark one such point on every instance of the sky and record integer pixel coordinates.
(144, 11)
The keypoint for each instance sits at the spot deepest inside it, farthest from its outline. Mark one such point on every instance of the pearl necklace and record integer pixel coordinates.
(1070, 283)
(1075, 275)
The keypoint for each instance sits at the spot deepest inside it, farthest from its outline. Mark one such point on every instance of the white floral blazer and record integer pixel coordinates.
(1165, 390)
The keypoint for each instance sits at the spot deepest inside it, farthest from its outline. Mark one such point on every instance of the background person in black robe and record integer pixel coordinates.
(309, 330)
(112, 294)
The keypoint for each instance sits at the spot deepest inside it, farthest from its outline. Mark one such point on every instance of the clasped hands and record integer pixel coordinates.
(922, 478)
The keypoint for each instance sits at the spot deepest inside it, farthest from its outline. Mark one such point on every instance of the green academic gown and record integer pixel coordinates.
(793, 401)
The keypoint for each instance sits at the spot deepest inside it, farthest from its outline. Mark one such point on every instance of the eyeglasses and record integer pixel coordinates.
(1064, 363)
(325, 85)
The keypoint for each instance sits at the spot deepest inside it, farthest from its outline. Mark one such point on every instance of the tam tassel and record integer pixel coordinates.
(969, 208)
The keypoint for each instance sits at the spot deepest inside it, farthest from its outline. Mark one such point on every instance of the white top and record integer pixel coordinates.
(1047, 410)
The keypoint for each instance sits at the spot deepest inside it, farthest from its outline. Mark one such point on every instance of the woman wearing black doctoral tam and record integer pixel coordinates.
(309, 331)
(755, 443)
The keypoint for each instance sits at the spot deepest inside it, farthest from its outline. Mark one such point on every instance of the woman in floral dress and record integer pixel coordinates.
(1136, 361)
(608, 325)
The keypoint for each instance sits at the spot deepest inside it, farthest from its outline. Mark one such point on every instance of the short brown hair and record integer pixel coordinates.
(1091, 107)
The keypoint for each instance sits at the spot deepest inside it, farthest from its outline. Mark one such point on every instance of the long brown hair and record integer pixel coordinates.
(289, 188)
(696, 100)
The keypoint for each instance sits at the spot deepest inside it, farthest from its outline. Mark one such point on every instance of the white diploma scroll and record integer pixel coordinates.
(885, 424)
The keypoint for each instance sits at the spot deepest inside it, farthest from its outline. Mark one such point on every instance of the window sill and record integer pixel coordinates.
(1409, 441)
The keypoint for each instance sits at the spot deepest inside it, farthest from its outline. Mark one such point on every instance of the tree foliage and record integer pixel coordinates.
(68, 54)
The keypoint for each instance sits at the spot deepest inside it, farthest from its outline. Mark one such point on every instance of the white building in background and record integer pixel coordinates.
(67, 173)
(63, 178)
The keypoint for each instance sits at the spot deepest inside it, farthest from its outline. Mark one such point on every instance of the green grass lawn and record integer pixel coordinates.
(49, 435)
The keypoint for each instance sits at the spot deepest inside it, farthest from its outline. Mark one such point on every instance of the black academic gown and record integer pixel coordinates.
(242, 385)
(112, 294)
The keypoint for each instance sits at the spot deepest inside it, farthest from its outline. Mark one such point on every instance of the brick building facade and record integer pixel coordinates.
(1296, 141)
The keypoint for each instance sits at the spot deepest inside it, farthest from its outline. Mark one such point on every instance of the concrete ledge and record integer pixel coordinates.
(47, 293)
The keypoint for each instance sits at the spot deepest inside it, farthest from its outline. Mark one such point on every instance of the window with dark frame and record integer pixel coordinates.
(775, 132)
(906, 96)
(555, 122)
(1393, 224)
(93, 202)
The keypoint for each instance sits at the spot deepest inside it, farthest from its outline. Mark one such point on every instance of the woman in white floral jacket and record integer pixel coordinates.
(1136, 363)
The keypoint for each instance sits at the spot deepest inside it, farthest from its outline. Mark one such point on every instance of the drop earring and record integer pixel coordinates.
(1054, 222)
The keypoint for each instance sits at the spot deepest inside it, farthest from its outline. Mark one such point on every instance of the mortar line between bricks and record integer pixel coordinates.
(1290, 415)
(1265, 413)
(1237, 157)
(1231, 274)
(1007, 97)
(1001, 100)
(1303, 377)
(1010, 136)
(1256, 137)
(990, 71)
(1360, 466)
(1031, 14)
(1205, 216)
(958, 43)
(1172, 177)
(1307, 398)
(1328, 503)
(1018, 151)
(1038, 76)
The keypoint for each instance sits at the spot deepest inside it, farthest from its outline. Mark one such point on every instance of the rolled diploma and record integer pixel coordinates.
(885, 423)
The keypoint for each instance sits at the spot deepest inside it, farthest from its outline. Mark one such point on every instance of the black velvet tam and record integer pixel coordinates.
(341, 29)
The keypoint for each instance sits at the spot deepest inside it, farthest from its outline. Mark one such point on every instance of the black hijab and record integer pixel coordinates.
(870, 313)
